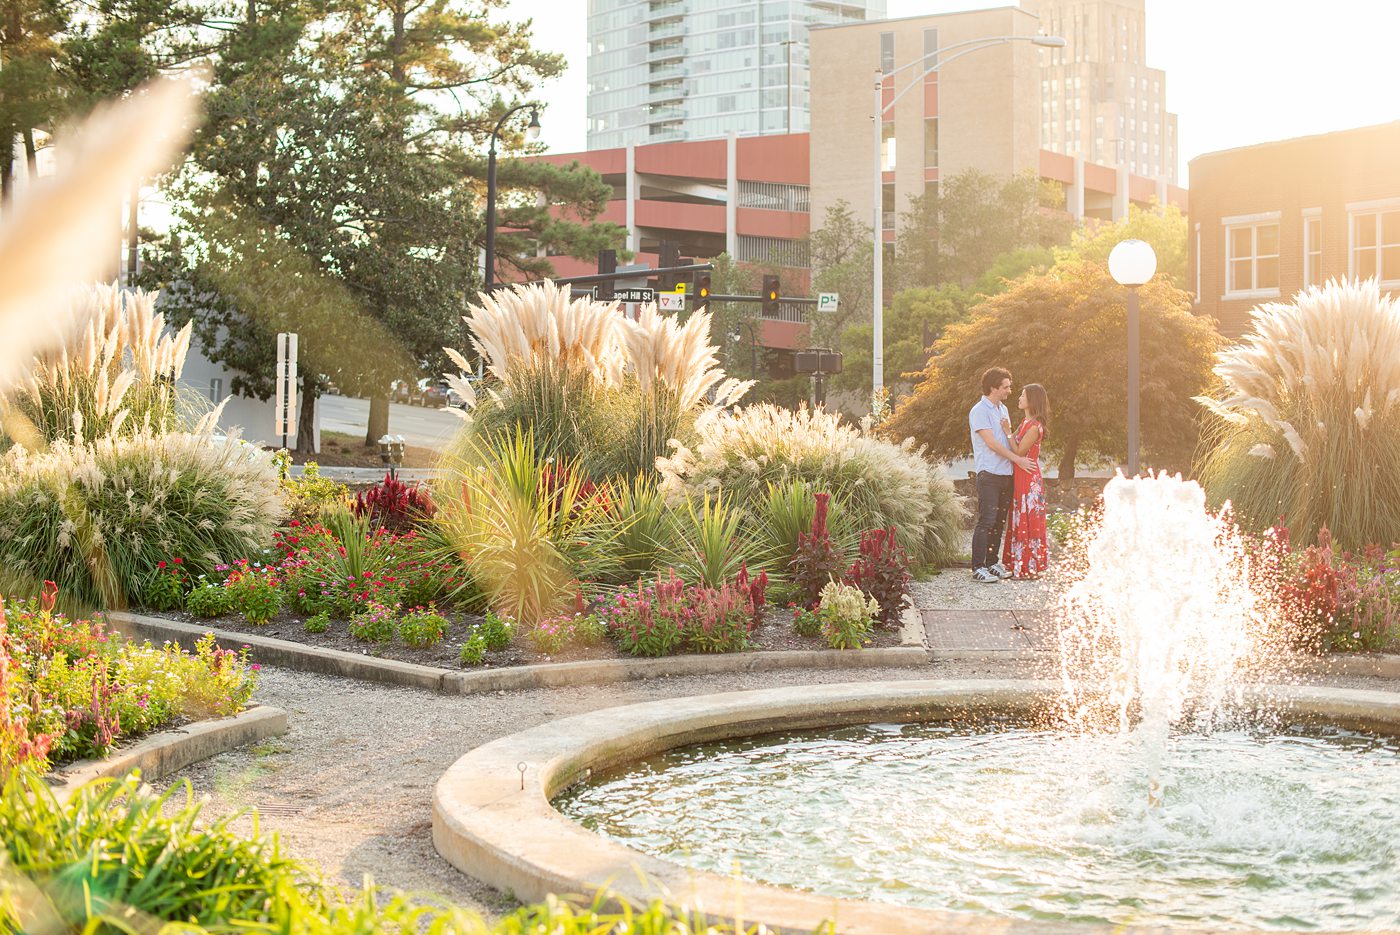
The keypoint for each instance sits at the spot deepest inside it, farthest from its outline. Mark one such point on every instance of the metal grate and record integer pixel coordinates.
(280, 809)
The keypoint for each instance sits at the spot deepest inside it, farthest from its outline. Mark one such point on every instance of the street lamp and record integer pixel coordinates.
(391, 451)
(881, 108)
(532, 133)
(1132, 263)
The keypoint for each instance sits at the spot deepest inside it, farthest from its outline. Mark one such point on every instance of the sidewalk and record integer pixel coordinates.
(990, 631)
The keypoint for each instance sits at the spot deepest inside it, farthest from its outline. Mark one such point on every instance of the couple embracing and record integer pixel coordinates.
(1009, 484)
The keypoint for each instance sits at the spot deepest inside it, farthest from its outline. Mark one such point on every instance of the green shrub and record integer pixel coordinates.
(879, 483)
(165, 587)
(422, 627)
(707, 546)
(208, 599)
(473, 650)
(375, 623)
(253, 592)
(117, 852)
(846, 616)
(806, 622)
(785, 513)
(496, 631)
(550, 635)
(309, 496)
(318, 623)
(642, 530)
(589, 630)
(97, 518)
(1307, 428)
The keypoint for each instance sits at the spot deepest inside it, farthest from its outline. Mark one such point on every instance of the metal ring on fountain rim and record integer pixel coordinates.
(494, 822)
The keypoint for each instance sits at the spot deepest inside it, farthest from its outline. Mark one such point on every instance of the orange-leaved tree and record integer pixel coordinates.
(1067, 330)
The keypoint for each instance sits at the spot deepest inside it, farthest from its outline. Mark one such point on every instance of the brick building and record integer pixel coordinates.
(1267, 220)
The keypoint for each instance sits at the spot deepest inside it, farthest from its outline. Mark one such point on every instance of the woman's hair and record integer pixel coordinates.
(1037, 403)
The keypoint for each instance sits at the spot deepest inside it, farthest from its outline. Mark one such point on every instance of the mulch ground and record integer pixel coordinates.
(775, 633)
(341, 450)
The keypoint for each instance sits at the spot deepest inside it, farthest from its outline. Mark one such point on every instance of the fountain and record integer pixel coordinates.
(1146, 786)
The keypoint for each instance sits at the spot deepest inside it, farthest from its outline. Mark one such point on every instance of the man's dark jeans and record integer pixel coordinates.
(993, 502)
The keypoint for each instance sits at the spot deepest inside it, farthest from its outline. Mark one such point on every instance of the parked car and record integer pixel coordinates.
(433, 395)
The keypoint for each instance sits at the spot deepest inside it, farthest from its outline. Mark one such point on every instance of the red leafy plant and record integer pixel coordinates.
(393, 505)
(817, 560)
(882, 573)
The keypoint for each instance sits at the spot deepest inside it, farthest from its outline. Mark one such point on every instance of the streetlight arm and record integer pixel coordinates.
(976, 45)
(506, 116)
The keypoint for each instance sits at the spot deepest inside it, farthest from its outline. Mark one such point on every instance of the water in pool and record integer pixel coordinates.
(1286, 829)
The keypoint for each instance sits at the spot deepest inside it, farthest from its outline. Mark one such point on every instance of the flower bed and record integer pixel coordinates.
(70, 689)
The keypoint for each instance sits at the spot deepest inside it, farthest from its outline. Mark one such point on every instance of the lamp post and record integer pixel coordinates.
(1132, 263)
(532, 133)
(878, 114)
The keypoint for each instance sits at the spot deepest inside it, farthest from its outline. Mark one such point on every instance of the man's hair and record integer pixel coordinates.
(992, 379)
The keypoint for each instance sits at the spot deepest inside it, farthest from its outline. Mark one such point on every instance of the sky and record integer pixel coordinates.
(1238, 71)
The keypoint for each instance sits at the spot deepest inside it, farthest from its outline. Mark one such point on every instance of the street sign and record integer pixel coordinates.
(630, 295)
(827, 301)
(672, 301)
(285, 404)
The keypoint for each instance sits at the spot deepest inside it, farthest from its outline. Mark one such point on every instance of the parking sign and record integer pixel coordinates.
(827, 301)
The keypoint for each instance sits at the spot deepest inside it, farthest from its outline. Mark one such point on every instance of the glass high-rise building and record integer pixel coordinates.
(662, 70)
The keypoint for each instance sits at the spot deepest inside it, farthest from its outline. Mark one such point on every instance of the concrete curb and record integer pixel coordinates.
(492, 817)
(291, 655)
(172, 750)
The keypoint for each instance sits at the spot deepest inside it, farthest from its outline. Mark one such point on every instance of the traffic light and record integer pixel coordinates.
(770, 296)
(668, 255)
(701, 291)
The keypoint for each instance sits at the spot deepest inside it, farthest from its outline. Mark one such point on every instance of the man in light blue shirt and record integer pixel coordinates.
(989, 422)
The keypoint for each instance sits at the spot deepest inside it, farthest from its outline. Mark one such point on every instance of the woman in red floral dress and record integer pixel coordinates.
(1025, 551)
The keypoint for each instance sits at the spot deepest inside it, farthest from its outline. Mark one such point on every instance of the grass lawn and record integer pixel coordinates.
(339, 449)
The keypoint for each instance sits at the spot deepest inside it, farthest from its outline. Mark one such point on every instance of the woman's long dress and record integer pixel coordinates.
(1025, 552)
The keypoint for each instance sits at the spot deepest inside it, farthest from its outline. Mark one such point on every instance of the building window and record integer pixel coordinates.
(1251, 257)
(887, 146)
(1375, 245)
(930, 48)
(887, 52)
(931, 143)
(1312, 248)
(887, 212)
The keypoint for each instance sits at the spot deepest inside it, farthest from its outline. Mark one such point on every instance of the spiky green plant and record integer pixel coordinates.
(881, 483)
(708, 547)
(642, 530)
(787, 511)
(526, 529)
(1307, 430)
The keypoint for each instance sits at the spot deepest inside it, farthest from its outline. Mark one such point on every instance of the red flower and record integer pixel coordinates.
(48, 596)
(179, 561)
(160, 564)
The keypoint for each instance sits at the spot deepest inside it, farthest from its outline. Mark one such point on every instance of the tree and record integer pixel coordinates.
(320, 142)
(1165, 231)
(840, 253)
(918, 316)
(30, 97)
(1066, 329)
(955, 235)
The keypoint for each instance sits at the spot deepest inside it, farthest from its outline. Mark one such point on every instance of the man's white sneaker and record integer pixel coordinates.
(986, 576)
(1000, 570)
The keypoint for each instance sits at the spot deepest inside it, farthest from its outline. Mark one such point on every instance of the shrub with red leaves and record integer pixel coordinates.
(394, 505)
(882, 573)
(817, 561)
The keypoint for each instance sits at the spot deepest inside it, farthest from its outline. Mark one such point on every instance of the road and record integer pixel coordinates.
(426, 428)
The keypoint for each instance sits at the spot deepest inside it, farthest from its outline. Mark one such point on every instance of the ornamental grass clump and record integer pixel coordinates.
(587, 384)
(115, 375)
(98, 517)
(1308, 425)
(525, 530)
(879, 483)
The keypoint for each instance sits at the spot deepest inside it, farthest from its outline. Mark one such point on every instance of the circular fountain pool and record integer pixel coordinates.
(1268, 830)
